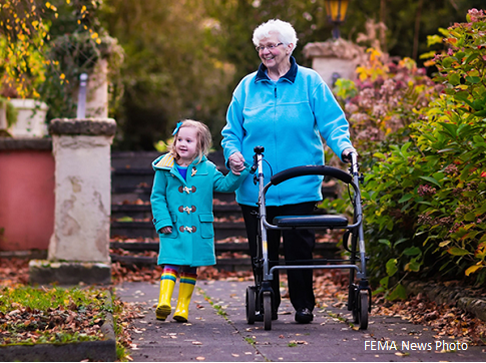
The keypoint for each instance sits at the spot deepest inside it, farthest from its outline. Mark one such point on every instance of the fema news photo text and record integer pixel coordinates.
(404, 346)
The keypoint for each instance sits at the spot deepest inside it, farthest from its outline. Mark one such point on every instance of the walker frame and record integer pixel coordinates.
(259, 297)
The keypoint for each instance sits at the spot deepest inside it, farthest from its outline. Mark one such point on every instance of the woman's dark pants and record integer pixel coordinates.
(298, 245)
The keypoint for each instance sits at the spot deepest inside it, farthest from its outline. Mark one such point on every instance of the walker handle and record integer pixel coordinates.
(311, 170)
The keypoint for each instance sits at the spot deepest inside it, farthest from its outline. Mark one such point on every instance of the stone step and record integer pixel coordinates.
(229, 256)
(136, 229)
(143, 159)
(227, 264)
(133, 159)
(124, 195)
(128, 164)
(154, 246)
(325, 249)
(145, 210)
(132, 178)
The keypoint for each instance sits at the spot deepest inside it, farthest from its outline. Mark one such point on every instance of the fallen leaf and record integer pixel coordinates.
(400, 354)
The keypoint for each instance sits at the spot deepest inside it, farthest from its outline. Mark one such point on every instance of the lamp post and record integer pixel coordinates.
(336, 14)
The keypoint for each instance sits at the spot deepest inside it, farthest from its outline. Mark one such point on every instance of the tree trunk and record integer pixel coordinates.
(382, 30)
(417, 30)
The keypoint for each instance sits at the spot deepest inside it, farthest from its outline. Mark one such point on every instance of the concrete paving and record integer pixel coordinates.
(217, 331)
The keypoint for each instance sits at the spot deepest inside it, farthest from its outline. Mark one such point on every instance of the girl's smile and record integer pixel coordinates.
(186, 145)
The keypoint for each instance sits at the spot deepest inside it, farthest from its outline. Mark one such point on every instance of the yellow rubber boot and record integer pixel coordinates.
(186, 288)
(167, 283)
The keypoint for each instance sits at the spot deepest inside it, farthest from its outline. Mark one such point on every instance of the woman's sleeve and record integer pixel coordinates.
(158, 200)
(233, 130)
(230, 182)
(331, 120)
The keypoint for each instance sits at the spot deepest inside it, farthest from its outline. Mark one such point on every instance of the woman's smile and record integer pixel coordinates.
(274, 55)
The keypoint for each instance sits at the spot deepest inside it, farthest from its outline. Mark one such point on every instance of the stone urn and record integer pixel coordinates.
(31, 118)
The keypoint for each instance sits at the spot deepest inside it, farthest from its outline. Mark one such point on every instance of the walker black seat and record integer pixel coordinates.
(313, 221)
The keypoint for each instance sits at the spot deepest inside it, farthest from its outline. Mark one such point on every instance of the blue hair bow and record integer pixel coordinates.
(176, 130)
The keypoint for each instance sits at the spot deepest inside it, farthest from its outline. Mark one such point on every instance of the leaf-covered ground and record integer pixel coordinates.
(51, 315)
(67, 320)
(446, 321)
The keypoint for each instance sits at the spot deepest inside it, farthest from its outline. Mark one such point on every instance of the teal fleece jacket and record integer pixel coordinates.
(287, 118)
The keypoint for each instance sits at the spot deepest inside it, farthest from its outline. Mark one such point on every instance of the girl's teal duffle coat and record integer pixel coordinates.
(187, 206)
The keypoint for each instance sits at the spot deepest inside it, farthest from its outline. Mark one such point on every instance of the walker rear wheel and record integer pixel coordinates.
(250, 304)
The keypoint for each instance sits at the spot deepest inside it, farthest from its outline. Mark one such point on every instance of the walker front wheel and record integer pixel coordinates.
(250, 304)
(363, 309)
(267, 311)
(353, 303)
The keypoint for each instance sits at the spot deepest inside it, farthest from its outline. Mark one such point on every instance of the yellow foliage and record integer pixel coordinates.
(374, 68)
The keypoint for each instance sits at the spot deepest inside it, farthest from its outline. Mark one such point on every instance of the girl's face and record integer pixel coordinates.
(186, 145)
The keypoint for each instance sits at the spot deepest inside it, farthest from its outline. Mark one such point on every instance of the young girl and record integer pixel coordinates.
(182, 200)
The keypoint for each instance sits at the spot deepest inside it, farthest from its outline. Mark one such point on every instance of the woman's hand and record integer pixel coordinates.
(237, 163)
(167, 230)
(346, 155)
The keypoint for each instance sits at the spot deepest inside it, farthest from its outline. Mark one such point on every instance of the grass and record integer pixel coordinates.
(219, 309)
(56, 315)
(250, 340)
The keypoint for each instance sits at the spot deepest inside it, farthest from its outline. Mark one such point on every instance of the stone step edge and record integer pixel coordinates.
(441, 294)
(141, 225)
(219, 247)
(147, 208)
(97, 350)
(145, 260)
(145, 190)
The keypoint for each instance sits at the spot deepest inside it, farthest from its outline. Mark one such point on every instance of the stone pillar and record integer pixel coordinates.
(79, 246)
(335, 58)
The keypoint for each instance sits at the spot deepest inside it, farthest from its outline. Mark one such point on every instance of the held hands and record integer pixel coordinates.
(167, 230)
(236, 163)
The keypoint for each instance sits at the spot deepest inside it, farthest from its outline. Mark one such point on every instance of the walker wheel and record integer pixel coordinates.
(250, 304)
(363, 309)
(355, 314)
(267, 311)
(353, 301)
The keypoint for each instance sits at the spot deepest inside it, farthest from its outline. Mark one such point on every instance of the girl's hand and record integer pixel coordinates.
(167, 230)
(236, 163)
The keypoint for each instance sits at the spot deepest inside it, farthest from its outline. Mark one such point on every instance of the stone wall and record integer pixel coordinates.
(26, 194)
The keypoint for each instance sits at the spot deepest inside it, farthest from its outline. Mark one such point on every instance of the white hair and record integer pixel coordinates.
(285, 32)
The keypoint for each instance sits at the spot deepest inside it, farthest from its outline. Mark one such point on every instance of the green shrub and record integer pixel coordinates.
(454, 217)
(424, 155)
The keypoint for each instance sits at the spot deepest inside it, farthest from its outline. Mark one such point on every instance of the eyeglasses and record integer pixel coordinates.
(261, 48)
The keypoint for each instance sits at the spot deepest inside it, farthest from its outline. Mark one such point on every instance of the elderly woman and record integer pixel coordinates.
(285, 108)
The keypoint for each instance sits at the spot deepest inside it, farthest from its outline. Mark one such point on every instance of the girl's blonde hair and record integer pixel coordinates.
(204, 139)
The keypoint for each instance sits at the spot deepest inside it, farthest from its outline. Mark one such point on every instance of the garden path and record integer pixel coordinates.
(218, 331)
